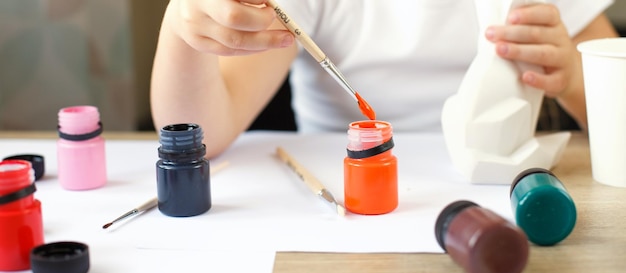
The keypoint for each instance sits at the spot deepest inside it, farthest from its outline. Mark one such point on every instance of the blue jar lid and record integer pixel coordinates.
(542, 208)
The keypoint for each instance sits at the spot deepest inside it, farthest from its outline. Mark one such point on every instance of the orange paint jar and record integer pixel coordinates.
(370, 169)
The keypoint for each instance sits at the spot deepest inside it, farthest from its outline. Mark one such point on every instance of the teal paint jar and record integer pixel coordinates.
(541, 206)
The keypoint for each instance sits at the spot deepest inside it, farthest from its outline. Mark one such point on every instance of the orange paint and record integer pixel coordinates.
(371, 182)
(366, 109)
(365, 124)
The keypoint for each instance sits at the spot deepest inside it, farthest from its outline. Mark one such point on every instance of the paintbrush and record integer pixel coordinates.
(313, 183)
(143, 207)
(321, 58)
(148, 205)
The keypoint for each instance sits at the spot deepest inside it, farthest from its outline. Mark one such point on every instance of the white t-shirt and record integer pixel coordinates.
(405, 57)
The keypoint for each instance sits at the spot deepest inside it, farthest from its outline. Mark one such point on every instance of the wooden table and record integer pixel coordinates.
(597, 244)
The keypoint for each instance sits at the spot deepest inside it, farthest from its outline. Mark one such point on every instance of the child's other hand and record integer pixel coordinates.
(535, 34)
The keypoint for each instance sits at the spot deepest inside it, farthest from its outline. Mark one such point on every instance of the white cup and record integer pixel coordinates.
(604, 70)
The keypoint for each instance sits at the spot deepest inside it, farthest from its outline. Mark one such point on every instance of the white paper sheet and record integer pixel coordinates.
(259, 205)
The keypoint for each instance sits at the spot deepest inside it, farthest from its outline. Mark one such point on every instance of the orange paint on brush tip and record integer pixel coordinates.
(366, 109)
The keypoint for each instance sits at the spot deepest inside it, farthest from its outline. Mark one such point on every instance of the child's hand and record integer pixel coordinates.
(535, 34)
(225, 27)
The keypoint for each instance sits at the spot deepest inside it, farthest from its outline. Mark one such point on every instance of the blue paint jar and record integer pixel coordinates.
(541, 206)
(183, 175)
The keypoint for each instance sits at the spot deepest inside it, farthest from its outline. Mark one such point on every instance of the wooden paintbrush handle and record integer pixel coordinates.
(313, 183)
(148, 205)
(218, 167)
(304, 39)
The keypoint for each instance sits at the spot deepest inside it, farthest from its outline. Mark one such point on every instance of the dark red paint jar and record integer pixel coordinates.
(479, 240)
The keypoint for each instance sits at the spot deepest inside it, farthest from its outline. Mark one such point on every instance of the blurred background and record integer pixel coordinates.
(59, 53)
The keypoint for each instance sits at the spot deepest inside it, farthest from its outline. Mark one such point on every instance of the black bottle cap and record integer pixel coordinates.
(36, 160)
(60, 257)
(446, 215)
(181, 142)
(181, 137)
(524, 173)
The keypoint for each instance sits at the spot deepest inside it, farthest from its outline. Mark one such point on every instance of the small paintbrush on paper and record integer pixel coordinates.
(148, 205)
(321, 58)
(313, 183)
(143, 207)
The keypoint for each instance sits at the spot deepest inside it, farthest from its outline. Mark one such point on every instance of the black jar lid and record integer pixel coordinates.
(525, 173)
(446, 215)
(37, 161)
(60, 257)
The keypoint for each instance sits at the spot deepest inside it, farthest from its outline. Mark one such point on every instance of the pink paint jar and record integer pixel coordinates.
(80, 149)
